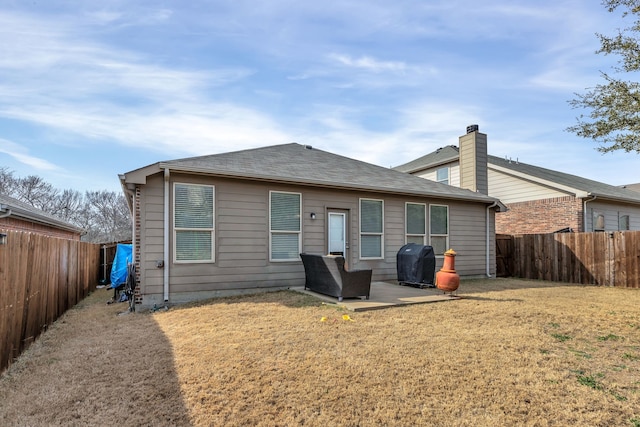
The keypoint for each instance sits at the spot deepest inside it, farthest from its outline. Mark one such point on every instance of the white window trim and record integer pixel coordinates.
(620, 216)
(594, 214)
(448, 174)
(176, 229)
(439, 235)
(360, 233)
(271, 232)
(406, 224)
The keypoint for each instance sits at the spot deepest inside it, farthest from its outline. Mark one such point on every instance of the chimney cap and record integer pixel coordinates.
(472, 128)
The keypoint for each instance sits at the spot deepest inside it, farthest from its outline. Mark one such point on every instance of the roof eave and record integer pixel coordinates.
(613, 198)
(432, 165)
(318, 183)
(40, 219)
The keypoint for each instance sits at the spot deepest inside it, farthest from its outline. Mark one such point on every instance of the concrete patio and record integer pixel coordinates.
(385, 295)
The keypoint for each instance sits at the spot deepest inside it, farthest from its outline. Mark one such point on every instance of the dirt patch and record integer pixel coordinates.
(508, 353)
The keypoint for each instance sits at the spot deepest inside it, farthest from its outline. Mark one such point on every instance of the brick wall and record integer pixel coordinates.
(136, 237)
(541, 216)
(17, 224)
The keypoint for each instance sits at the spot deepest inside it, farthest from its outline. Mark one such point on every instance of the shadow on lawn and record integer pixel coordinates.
(95, 367)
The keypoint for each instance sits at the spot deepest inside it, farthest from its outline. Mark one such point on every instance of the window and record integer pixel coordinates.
(416, 223)
(285, 226)
(442, 175)
(623, 222)
(193, 224)
(439, 228)
(371, 228)
(598, 221)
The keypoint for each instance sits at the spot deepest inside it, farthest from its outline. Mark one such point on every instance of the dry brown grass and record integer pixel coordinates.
(510, 352)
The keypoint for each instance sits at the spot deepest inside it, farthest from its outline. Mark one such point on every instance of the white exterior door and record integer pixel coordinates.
(337, 230)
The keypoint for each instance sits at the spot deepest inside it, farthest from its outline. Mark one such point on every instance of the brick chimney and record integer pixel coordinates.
(473, 160)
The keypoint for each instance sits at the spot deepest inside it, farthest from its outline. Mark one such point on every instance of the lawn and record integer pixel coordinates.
(510, 352)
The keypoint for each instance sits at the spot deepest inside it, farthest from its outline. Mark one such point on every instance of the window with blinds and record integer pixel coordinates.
(371, 228)
(415, 223)
(193, 225)
(439, 228)
(285, 214)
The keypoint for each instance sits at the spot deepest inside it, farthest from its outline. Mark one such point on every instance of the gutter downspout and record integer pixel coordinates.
(6, 214)
(166, 235)
(584, 212)
(488, 258)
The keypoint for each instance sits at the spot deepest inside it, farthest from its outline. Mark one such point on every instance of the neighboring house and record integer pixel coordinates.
(236, 222)
(538, 200)
(20, 216)
(634, 187)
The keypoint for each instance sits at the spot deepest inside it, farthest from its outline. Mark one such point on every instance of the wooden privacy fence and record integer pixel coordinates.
(601, 258)
(40, 278)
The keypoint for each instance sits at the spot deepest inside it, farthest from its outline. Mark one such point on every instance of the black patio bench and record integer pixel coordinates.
(326, 274)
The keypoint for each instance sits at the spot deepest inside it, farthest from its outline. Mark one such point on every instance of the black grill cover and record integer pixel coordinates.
(416, 265)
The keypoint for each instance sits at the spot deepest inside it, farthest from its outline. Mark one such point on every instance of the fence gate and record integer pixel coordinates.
(504, 255)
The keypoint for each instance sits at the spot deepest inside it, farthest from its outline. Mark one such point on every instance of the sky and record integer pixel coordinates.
(91, 90)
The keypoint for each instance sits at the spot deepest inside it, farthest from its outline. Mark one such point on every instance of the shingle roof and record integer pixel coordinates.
(440, 156)
(634, 187)
(451, 153)
(25, 211)
(594, 188)
(300, 164)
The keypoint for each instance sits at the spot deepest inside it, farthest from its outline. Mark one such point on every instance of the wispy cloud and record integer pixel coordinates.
(119, 18)
(372, 80)
(21, 154)
(104, 94)
(368, 63)
(417, 129)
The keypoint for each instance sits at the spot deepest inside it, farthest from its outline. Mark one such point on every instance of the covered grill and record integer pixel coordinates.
(416, 265)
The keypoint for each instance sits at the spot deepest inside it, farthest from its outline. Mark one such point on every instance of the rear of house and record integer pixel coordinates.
(236, 222)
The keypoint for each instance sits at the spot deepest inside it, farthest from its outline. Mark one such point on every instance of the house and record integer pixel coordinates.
(539, 200)
(236, 222)
(634, 187)
(19, 216)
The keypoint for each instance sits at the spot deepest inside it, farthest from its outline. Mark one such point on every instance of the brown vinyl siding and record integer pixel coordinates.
(151, 236)
(467, 236)
(612, 212)
(242, 237)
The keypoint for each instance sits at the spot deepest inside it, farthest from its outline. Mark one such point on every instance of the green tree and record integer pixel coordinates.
(614, 118)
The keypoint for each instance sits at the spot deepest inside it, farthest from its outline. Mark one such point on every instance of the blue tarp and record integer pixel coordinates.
(120, 261)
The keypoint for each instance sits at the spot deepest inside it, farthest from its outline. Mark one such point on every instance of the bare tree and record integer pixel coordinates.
(103, 214)
(68, 205)
(7, 181)
(108, 214)
(36, 192)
